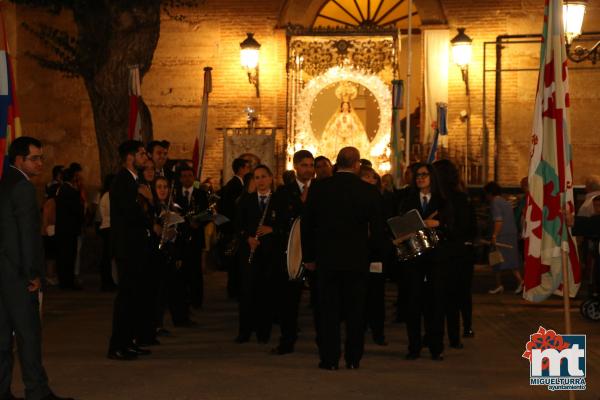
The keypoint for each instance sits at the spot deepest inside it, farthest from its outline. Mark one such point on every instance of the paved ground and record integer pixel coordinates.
(204, 363)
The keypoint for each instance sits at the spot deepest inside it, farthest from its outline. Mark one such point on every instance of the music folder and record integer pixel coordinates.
(406, 224)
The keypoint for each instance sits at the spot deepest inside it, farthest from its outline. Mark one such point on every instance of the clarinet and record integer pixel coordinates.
(262, 221)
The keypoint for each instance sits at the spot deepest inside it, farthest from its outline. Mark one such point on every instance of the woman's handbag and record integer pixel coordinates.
(495, 257)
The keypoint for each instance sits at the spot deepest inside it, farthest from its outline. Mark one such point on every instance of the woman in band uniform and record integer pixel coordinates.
(425, 275)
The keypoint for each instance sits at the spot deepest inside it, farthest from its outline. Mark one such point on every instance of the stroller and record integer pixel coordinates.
(590, 308)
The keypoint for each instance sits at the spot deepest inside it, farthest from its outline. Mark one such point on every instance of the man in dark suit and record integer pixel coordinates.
(130, 237)
(158, 151)
(192, 201)
(69, 220)
(342, 214)
(290, 201)
(21, 271)
(228, 207)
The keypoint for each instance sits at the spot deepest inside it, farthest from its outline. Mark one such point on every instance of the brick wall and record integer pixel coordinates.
(57, 109)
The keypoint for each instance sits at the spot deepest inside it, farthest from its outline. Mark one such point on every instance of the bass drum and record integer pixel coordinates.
(295, 266)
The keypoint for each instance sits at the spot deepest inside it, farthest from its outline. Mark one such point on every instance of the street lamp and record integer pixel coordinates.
(249, 52)
(461, 53)
(573, 14)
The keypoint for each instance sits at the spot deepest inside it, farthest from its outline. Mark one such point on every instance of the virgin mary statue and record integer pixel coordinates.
(344, 128)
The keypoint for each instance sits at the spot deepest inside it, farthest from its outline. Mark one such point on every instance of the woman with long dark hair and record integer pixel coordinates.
(424, 275)
(258, 257)
(461, 229)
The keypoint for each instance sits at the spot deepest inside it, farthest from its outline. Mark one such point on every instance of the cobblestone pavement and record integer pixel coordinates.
(204, 363)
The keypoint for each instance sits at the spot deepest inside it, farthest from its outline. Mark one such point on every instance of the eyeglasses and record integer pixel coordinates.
(35, 158)
(422, 175)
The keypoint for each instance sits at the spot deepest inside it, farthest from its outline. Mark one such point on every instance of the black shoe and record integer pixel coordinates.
(162, 332)
(469, 334)
(353, 365)
(10, 396)
(147, 343)
(281, 350)
(139, 351)
(458, 345)
(412, 356)
(380, 341)
(242, 339)
(328, 367)
(186, 324)
(437, 357)
(52, 396)
(122, 355)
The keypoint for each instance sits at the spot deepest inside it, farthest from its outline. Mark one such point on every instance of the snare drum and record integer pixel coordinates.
(419, 243)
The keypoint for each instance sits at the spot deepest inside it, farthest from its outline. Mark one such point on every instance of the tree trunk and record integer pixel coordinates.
(132, 38)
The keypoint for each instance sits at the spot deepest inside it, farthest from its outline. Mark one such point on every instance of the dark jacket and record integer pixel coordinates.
(247, 221)
(197, 204)
(342, 214)
(21, 246)
(130, 224)
(69, 211)
(229, 196)
(289, 206)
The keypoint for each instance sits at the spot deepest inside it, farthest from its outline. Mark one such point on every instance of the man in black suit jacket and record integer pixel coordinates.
(290, 204)
(343, 215)
(192, 200)
(69, 220)
(228, 207)
(21, 271)
(130, 238)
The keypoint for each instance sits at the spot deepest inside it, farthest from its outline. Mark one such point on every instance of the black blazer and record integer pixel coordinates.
(247, 220)
(587, 226)
(342, 214)
(69, 211)
(229, 196)
(130, 225)
(199, 202)
(289, 206)
(21, 246)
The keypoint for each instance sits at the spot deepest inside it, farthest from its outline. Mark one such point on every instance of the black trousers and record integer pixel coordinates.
(19, 313)
(128, 308)
(255, 297)
(106, 260)
(465, 292)
(171, 293)
(453, 293)
(192, 270)
(148, 301)
(312, 277)
(342, 292)
(375, 314)
(287, 297)
(425, 285)
(66, 246)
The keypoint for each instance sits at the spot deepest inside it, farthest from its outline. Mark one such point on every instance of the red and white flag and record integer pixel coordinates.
(135, 94)
(10, 125)
(550, 172)
(199, 143)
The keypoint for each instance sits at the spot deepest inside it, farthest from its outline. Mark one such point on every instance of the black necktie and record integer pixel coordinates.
(263, 203)
(424, 204)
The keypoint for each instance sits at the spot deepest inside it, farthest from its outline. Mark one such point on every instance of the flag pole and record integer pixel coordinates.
(408, 81)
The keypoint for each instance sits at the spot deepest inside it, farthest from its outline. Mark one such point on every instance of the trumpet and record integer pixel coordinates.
(260, 223)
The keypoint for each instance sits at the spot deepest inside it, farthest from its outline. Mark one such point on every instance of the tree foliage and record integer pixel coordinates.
(110, 37)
